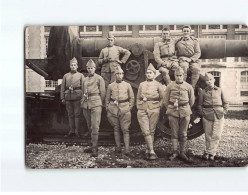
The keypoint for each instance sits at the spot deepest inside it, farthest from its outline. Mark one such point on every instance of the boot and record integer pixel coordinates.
(174, 155)
(153, 156)
(167, 79)
(117, 150)
(117, 138)
(149, 142)
(94, 140)
(77, 127)
(182, 154)
(194, 80)
(174, 143)
(94, 152)
(88, 150)
(71, 125)
(126, 138)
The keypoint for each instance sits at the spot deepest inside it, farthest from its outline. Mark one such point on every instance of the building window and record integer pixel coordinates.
(51, 84)
(224, 26)
(244, 77)
(140, 27)
(160, 27)
(130, 27)
(99, 28)
(172, 27)
(47, 28)
(203, 26)
(150, 27)
(244, 83)
(244, 26)
(111, 28)
(120, 28)
(216, 75)
(179, 27)
(90, 28)
(213, 26)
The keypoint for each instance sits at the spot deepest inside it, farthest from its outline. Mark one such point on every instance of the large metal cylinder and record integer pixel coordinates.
(210, 48)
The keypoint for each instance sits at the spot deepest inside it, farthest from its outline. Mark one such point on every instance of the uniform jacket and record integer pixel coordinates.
(74, 80)
(113, 53)
(161, 49)
(93, 85)
(184, 93)
(188, 48)
(119, 91)
(212, 97)
(150, 90)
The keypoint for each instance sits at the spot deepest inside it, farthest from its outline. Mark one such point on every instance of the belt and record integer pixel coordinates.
(74, 88)
(93, 94)
(120, 101)
(182, 104)
(165, 56)
(151, 99)
(211, 106)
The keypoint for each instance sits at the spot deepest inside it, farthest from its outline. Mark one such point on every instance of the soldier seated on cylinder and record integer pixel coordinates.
(92, 101)
(149, 101)
(164, 54)
(71, 94)
(119, 103)
(178, 100)
(212, 106)
(188, 52)
(109, 59)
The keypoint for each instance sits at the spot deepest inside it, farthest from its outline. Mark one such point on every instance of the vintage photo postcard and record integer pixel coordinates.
(136, 96)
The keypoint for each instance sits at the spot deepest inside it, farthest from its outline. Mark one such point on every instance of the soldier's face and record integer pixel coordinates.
(179, 77)
(165, 35)
(150, 74)
(210, 82)
(111, 41)
(91, 70)
(186, 32)
(119, 76)
(73, 66)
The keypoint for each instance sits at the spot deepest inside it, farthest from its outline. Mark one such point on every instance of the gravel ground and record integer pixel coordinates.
(233, 151)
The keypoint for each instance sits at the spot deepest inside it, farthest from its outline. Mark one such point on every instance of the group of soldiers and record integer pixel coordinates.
(174, 57)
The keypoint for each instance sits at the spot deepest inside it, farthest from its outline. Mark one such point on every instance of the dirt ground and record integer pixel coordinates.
(233, 152)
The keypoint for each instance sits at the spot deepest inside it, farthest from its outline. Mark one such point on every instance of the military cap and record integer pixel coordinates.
(118, 70)
(73, 60)
(186, 26)
(208, 76)
(110, 35)
(91, 64)
(179, 70)
(151, 67)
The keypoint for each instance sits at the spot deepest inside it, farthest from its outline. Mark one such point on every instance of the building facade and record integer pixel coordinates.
(230, 73)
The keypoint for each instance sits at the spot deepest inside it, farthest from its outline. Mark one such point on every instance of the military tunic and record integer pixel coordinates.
(149, 110)
(212, 106)
(108, 69)
(179, 116)
(93, 97)
(188, 51)
(73, 81)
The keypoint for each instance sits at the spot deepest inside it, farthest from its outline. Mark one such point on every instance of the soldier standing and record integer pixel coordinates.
(119, 103)
(109, 59)
(188, 52)
(71, 94)
(149, 101)
(212, 106)
(164, 54)
(93, 96)
(179, 98)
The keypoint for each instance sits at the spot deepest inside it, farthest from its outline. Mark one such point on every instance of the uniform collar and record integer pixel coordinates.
(149, 80)
(91, 75)
(166, 40)
(179, 83)
(185, 38)
(118, 81)
(73, 71)
(211, 88)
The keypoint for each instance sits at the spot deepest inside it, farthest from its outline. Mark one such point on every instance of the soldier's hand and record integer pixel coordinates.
(225, 111)
(120, 62)
(63, 101)
(164, 64)
(189, 60)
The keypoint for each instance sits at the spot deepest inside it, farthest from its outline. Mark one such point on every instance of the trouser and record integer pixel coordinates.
(171, 65)
(148, 120)
(195, 70)
(122, 122)
(179, 127)
(93, 119)
(73, 108)
(213, 130)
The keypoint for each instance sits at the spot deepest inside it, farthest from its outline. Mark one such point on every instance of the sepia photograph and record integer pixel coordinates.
(136, 96)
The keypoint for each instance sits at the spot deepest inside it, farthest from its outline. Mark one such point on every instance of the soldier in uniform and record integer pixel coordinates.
(164, 54)
(188, 52)
(149, 101)
(92, 101)
(71, 94)
(119, 103)
(212, 106)
(178, 100)
(109, 59)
